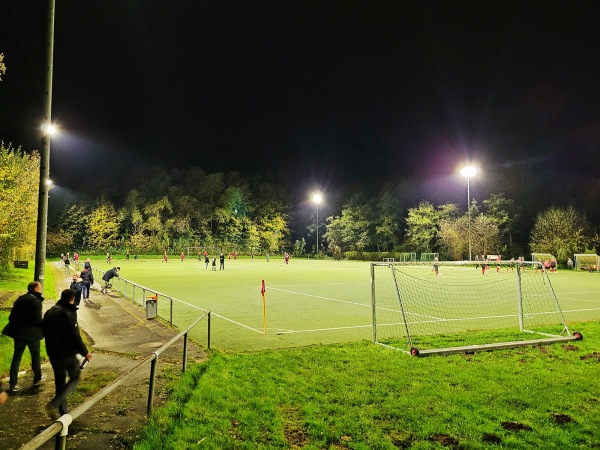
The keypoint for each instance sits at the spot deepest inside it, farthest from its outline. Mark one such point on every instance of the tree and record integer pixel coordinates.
(422, 227)
(2, 66)
(103, 227)
(354, 228)
(388, 221)
(19, 179)
(504, 213)
(453, 237)
(561, 232)
(485, 238)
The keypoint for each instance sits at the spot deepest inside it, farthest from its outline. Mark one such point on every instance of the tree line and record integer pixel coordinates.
(169, 211)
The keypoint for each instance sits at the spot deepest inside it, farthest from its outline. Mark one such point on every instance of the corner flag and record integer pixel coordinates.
(262, 292)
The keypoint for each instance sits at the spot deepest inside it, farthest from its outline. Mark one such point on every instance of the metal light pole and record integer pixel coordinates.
(317, 200)
(44, 186)
(468, 172)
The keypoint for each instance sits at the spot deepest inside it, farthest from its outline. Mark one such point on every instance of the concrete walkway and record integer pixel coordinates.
(120, 337)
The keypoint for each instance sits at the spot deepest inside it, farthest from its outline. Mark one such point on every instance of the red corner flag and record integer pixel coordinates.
(262, 289)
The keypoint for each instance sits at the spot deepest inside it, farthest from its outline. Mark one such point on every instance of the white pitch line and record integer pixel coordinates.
(579, 300)
(220, 316)
(325, 329)
(319, 296)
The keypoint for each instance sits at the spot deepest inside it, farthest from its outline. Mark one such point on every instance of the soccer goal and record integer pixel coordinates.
(462, 309)
(429, 256)
(541, 257)
(407, 257)
(587, 261)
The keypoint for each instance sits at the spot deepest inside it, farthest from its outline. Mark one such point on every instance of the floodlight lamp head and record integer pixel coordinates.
(468, 171)
(49, 129)
(317, 198)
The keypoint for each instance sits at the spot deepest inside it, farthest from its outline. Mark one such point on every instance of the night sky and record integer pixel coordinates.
(321, 94)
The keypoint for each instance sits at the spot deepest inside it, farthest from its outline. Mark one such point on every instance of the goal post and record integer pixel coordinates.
(587, 261)
(407, 257)
(462, 308)
(429, 256)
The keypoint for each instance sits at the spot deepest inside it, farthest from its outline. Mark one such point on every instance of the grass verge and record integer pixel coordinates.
(363, 396)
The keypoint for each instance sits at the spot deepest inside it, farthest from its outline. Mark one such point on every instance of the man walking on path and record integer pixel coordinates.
(63, 343)
(25, 321)
(77, 287)
(109, 275)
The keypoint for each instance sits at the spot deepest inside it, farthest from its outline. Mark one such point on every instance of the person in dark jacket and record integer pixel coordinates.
(26, 322)
(77, 287)
(87, 280)
(63, 343)
(109, 275)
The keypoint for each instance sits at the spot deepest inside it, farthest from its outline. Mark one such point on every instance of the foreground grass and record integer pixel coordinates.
(363, 396)
(13, 284)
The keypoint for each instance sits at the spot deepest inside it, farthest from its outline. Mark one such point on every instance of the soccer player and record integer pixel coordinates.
(436, 266)
(182, 256)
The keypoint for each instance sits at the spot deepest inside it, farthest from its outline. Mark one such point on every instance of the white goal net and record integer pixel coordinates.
(458, 306)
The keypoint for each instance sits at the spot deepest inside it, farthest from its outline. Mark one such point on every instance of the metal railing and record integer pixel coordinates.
(60, 428)
(123, 286)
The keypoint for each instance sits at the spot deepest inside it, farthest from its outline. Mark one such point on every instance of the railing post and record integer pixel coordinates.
(171, 312)
(151, 384)
(185, 342)
(208, 345)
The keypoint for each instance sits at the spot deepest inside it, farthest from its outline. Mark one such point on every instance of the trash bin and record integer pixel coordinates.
(151, 306)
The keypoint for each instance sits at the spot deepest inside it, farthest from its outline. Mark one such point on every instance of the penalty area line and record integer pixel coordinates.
(319, 296)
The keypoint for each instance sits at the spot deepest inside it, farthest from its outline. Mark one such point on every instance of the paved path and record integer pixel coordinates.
(121, 336)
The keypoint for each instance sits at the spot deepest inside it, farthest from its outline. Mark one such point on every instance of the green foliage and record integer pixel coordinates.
(103, 227)
(299, 247)
(421, 227)
(19, 181)
(352, 231)
(561, 232)
(504, 213)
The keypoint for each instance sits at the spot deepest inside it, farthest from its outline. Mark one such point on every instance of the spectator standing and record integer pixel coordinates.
(67, 264)
(87, 280)
(109, 275)
(25, 322)
(63, 343)
(77, 287)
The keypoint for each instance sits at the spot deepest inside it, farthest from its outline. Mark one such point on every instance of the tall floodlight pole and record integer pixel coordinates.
(44, 185)
(468, 172)
(317, 199)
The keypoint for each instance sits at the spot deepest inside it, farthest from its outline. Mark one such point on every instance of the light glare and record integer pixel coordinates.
(468, 171)
(317, 198)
